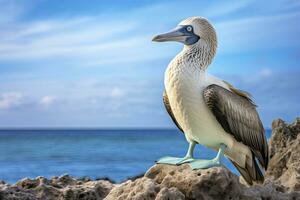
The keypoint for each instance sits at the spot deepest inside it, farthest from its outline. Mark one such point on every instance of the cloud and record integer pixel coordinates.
(258, 76)
(116, 92)
(73, 37)
(259, 33)
(46, 101)
(10, 100)
(264, 73)
(99, 40)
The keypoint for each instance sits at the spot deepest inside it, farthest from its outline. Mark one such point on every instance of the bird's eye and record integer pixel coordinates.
(189, 28)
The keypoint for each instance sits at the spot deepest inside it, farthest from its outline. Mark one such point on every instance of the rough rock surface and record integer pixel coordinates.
(57, 188)
(284, 167)
(166, 182)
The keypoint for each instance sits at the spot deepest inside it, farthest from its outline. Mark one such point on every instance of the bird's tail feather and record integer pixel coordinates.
(250, 173)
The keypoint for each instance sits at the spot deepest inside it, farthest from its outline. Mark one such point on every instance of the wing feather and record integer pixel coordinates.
(238, 116)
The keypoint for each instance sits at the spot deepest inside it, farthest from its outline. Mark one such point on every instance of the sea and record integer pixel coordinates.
(114, 154)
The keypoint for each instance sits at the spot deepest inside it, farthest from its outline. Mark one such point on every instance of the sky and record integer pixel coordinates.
(67, 63)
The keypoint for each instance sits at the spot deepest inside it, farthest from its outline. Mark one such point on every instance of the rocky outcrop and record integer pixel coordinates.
(166, 182)
(179, 182)
(284, 167)
(57, 188)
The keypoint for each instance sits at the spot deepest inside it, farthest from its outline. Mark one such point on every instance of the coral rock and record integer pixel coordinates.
(284, 167)
(57, 188)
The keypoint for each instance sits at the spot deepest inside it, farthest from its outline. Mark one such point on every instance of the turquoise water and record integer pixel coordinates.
(116, 154)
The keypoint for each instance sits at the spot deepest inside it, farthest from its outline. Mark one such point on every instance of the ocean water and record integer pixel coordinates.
(116, 154)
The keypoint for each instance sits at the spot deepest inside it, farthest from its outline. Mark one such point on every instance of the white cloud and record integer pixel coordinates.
(259, 33)
(10, 100)
(82, 37)
(258, 76)
(116, 92)
(223, 8)
(47, 101)
(264, 73)
(104, 39)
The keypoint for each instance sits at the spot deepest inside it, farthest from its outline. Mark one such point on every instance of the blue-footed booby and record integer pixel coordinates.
(208, 110)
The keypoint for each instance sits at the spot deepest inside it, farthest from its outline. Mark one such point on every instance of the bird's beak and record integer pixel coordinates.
(178, 34)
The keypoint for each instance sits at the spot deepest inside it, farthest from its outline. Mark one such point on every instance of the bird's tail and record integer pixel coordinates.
(250, 173)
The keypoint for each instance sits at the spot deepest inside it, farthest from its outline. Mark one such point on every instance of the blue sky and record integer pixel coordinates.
(79, 64)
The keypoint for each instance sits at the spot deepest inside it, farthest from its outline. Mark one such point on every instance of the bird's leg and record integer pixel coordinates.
(177, 161)
(204, 164)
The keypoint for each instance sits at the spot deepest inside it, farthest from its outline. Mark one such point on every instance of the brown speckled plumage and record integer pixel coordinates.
(238, 116)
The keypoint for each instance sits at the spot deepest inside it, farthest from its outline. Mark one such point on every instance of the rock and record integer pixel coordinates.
(284, 167)
(181, 182)
(196, 183)
(57, 188)
(132, 178)
(170, 193)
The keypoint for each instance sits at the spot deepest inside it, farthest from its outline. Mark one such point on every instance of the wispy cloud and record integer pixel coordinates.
(116, 92)
(103, 39)
(46, 101)
(72, 37)
(10, 100)
(259, 33)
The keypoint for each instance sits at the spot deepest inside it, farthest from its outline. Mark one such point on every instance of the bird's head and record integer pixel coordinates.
(195, 33)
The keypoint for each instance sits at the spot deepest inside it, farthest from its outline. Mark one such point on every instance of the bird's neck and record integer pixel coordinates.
(198, 57)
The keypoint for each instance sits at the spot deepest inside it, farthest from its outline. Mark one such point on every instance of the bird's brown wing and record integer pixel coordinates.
(169, 110)
(238, 116)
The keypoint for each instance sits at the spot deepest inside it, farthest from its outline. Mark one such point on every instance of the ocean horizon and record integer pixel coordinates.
(117, 154)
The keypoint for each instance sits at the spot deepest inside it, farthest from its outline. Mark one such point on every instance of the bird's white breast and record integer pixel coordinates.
(184, 85)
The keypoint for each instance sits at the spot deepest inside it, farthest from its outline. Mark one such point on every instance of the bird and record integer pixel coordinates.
(208, 110)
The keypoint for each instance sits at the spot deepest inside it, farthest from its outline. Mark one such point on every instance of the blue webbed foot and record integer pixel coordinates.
(178, 161)
(174, 160)
(204, 164)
